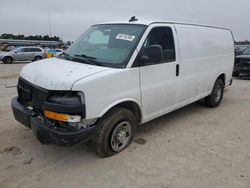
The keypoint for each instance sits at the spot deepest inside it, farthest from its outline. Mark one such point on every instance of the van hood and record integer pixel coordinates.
(58, 74)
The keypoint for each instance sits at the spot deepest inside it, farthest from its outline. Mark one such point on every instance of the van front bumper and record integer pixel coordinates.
(47, 134)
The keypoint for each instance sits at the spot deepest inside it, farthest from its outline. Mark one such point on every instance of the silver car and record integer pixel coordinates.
(24, 53)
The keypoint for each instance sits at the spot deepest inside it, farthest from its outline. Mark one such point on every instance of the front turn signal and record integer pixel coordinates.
(62, 117)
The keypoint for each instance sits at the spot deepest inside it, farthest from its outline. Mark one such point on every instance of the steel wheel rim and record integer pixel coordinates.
(218, 93)
(120, 136)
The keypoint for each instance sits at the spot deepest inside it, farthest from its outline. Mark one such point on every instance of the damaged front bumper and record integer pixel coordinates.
(47, 134)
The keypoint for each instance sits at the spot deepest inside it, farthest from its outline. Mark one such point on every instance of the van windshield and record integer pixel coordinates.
(108, 45)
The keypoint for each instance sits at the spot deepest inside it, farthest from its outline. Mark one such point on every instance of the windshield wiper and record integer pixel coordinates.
(88, 59)
(64, 53)
(85, 56)
(63, 56)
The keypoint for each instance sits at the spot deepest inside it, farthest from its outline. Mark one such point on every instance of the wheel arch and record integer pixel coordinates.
(130, 104)
(38, 55)
(222, 76)
(9, 57)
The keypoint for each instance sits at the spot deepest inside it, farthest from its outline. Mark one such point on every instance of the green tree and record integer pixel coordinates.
(31, 37)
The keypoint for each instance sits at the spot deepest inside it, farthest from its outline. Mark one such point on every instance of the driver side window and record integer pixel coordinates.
(160, 38)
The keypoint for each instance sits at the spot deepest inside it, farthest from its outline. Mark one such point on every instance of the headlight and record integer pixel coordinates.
(69, 98)
(66, 106)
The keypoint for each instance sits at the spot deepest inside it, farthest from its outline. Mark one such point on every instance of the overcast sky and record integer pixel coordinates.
(69, 18)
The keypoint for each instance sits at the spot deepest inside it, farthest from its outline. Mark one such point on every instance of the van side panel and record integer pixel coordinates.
(205, 53)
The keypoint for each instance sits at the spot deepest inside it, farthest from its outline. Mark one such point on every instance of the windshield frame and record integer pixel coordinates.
(112, 65)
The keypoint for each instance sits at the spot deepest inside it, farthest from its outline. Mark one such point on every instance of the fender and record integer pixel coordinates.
(224, 74)
(115, 103)
(8, 55)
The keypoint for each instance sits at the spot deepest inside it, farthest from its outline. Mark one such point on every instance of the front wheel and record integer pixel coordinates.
(8, 60)
(116, 131)
(214, 99)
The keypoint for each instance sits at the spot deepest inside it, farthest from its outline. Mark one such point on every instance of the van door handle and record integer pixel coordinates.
(177, 69)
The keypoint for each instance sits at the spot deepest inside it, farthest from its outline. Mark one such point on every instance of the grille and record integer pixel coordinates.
(29, 94)
(24, 92)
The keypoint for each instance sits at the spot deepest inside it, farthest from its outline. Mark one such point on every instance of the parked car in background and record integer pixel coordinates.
(237, 50)
(58, 52)
(241, 48)
(51, 52)
(242, 63)
(25, 53)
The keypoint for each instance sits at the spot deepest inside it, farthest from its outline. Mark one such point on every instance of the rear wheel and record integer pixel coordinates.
(214, 99)
(8, 60)
(37, 58)
(116, 131)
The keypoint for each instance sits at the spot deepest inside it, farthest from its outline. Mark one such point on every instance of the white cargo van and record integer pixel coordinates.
(118, 75)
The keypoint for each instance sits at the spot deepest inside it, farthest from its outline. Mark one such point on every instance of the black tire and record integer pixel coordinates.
(37, 58)
(8, 60)
(104, 142)
(214, 99)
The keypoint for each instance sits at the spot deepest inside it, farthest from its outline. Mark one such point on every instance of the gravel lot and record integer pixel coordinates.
(194, 147)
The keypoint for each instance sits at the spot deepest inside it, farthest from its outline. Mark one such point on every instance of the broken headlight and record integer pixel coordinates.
(65, 106)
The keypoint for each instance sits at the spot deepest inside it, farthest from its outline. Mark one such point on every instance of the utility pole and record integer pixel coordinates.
(49, 24)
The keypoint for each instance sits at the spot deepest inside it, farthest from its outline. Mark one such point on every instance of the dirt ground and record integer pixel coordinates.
(194, 147)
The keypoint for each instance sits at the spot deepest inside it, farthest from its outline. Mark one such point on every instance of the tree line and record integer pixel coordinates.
(246, 42)
(31, 37)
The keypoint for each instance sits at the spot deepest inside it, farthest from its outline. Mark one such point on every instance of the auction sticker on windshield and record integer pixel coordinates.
(125, 37)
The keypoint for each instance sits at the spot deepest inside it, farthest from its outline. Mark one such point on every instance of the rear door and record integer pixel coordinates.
(28, 53)
(159, 81)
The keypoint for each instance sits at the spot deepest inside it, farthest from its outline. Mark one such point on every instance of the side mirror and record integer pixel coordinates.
(153, 55)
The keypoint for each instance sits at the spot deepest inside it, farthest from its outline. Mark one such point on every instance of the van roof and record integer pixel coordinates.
(149, 22)
(28, 47)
